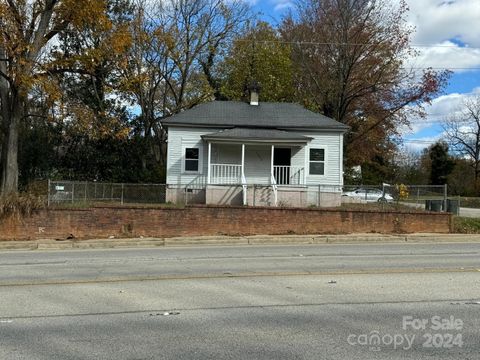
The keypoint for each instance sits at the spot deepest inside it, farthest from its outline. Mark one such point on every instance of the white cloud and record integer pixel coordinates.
(442, 107)
(440, 20)
(417, 145)
(280, 5)
(447, 55)
(447, 105)
(443, 24)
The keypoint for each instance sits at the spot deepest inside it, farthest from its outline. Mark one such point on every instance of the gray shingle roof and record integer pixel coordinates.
(264, 115)
(256, 134)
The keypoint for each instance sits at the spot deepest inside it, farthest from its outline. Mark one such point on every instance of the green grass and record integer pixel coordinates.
(463, 225)
(375, 206)
(92, 204)
(70, 205)
(422, 199)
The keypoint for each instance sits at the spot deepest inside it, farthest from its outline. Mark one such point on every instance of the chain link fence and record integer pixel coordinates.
(429, 197)
(74, 192)
(405, 193)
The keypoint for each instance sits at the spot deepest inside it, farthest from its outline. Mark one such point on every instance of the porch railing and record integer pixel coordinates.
(274, 189)
(289, 175)
(223, 174)
(244, 190)
(226, 174)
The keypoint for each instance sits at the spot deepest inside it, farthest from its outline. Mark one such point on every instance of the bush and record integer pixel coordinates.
(20, 204)
(465, 225)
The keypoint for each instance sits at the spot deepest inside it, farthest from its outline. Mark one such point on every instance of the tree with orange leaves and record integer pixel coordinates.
(352, 58)
(27, 30)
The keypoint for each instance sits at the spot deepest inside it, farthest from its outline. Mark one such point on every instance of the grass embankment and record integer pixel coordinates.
(20, 204)
(91, 204)
(464, 225)
(376, 206)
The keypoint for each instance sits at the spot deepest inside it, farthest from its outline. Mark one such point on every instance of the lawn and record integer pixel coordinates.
(463, 225)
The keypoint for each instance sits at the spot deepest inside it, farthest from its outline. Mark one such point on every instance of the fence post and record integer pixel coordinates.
(73, 192)
(445, 196)
(253, 196)
(86, 189)
(48, 193)
(318, 195)
(122, 195)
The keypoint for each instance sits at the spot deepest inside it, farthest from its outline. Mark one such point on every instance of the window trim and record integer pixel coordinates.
(316, 147)
(184, 159)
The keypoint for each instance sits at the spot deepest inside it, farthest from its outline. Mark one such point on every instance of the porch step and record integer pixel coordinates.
(260, 196)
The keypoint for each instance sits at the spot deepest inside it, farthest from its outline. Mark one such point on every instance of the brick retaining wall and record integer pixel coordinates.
(102, 222)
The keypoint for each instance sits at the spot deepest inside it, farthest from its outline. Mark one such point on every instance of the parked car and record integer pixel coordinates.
(369, 195)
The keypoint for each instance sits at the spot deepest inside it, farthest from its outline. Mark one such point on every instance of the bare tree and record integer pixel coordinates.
(172, 61)
(463, 133)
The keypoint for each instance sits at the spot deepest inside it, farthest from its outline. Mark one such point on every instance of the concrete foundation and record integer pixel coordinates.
(178, 195)
(224, 195)
(287, 196)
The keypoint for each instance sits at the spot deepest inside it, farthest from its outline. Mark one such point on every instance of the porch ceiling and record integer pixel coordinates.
(256, 135)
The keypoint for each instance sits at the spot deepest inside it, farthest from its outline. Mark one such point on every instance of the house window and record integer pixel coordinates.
(191, 159)
(317, 161)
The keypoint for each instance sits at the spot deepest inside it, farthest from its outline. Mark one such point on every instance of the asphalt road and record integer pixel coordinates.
(251, 302)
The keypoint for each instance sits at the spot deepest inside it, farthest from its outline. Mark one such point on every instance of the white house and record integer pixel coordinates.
(221, 149)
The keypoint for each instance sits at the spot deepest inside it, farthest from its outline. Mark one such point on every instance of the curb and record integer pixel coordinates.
(49, 244)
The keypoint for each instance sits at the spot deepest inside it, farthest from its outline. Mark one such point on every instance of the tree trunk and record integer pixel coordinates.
(9, 183)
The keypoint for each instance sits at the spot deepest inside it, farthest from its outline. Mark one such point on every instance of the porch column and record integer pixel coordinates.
(209, 161)
(243, 162)
(307, 156)
(271, 167)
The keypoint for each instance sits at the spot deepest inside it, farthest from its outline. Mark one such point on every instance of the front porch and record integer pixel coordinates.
(244, 164)
(250, 174)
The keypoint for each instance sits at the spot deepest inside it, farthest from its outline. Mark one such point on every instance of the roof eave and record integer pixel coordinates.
(230, 126)
(342, 129)
(213, 126)
(256, 140)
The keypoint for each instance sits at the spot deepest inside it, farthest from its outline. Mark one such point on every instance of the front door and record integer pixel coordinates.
(281, 165)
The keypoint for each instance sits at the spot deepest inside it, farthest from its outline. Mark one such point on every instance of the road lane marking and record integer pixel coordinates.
(148, 312)
(230, 275)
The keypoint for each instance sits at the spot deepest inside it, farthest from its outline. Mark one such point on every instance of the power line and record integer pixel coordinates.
(458, 121)
(442, 68)
(419, 142)
(352, 44)
(319, 43)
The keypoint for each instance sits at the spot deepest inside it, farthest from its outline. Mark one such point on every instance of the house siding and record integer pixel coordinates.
(226, 154)
(258, 164)
(257, 160)
(257, 157)
(332, 143)
(178, 139)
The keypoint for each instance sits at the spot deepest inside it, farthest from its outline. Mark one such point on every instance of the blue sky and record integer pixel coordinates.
(449, 32)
